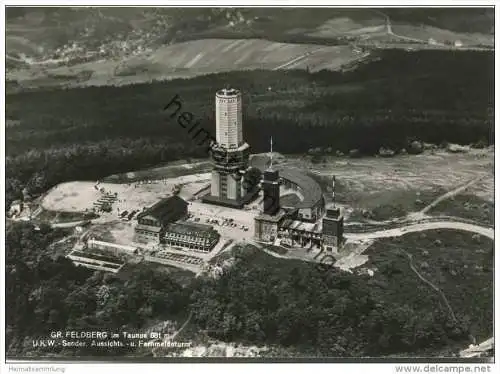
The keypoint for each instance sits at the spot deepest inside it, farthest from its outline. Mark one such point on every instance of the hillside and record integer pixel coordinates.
(101, 46)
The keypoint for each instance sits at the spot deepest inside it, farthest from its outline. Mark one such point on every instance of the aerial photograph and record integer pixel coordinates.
(249, 184)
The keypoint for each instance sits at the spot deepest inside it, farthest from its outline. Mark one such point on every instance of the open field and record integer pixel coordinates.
(392, 187)
(192, 58)
(55, 216)
(484, 189)
(457, 263)
(345, 26)
(425, 33)
(80, 196)
(468, 206)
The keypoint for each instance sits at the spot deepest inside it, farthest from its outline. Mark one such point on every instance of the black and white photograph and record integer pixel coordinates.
(238, 183)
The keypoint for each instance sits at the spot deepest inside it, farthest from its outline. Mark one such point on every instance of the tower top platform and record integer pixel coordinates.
(234, 149)
(228, 92)
(333, 212)
(271, 175)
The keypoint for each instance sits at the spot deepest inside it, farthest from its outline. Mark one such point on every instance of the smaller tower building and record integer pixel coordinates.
(333, 229)
(333, 225)
(271, 189)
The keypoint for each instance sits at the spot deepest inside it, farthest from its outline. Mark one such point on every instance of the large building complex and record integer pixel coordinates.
(160, 225)
(230, 155)
(152, 222)
(303, 224)
(297, 219)
(297, 222)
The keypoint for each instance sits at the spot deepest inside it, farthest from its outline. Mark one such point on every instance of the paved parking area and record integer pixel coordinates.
(242, 220)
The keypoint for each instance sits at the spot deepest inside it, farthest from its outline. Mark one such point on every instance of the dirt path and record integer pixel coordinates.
(452, 193)
(172, 337)
(182, 327)
(66, 224)
(296, 60)
(429, 283)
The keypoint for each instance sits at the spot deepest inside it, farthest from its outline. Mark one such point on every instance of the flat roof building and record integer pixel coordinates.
(194, 236)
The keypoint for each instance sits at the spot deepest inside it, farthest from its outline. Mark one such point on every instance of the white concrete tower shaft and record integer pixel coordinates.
(228, 117)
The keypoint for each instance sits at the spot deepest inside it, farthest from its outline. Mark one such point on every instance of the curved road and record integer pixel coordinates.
(484, 231)
(488, 232)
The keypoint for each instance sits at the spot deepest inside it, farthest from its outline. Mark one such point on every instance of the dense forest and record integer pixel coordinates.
(326, 313)
(45, 294)
(87, 133)
(259, 300)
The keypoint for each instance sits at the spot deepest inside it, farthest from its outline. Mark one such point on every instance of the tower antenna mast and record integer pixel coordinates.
(333, 191)
(271, 166)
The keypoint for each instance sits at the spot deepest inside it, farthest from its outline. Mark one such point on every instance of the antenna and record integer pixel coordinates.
(270, 166)
(333, 190)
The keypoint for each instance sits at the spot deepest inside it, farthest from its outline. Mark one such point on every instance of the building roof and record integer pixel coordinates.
(314, 227)
(165, 208)
(271, 218)
(289, 200)
(311, 190)
(260, 161)
(190, 228)
(220, 200)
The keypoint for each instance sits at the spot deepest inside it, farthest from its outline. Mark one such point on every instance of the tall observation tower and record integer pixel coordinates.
(229, 118)
(230, 156)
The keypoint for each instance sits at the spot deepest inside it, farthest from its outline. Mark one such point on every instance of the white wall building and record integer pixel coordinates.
(228, 116)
